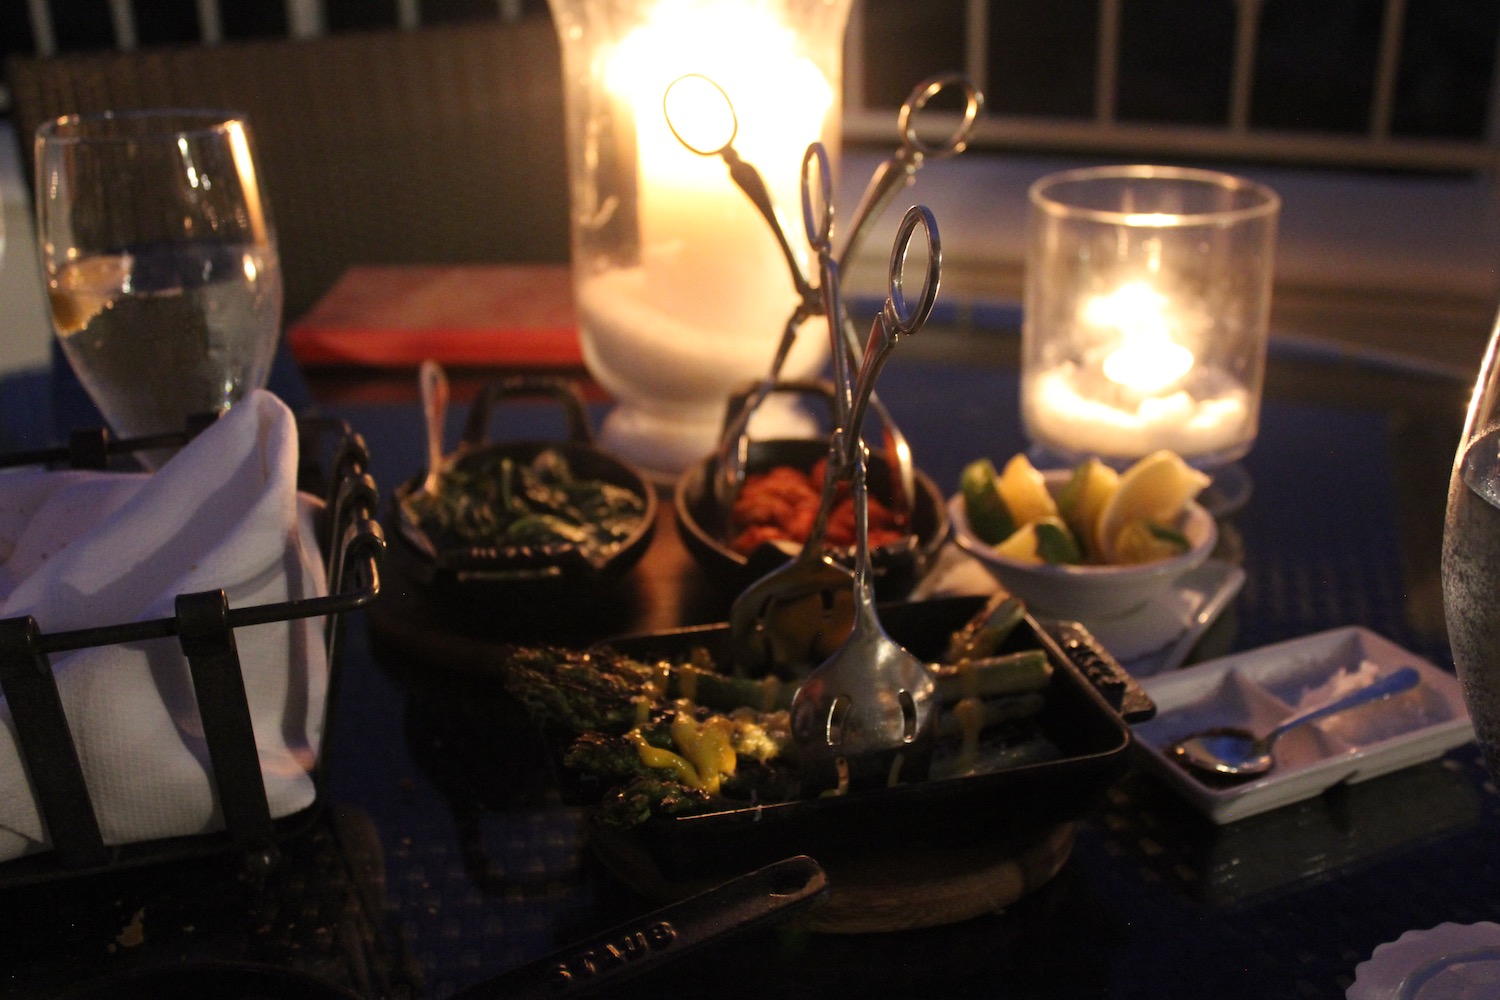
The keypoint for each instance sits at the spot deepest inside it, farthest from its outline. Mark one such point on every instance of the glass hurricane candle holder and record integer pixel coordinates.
(682, 288)
(1147, 297)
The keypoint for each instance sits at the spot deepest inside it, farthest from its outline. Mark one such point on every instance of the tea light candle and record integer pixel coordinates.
(1147, 296)
(1068, 407)
(1139, 388)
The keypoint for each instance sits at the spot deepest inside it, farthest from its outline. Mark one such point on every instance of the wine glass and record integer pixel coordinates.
(1471, 557)
(160, 260)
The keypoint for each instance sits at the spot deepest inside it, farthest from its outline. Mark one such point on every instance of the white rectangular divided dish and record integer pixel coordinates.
(1261, 688)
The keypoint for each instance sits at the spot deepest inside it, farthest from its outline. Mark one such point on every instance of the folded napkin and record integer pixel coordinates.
(80, 549)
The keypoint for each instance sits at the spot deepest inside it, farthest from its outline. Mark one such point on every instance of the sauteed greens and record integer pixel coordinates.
(668, 738)
(490, 499)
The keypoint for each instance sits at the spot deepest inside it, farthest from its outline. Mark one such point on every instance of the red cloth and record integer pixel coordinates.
(459, 314)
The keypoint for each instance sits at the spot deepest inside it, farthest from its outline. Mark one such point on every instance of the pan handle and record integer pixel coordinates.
(564, 391)
(757, 899)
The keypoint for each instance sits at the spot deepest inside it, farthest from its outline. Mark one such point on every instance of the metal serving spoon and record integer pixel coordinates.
(867, 716)
(433, 385)
(1235, 752)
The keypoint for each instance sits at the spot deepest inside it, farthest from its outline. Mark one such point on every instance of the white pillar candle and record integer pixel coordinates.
(702, 311)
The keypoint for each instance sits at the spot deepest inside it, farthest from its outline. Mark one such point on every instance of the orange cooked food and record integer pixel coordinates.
(781, 503)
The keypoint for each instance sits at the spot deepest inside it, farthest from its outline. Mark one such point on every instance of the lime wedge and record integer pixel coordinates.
(1054, 542)
(988, 517)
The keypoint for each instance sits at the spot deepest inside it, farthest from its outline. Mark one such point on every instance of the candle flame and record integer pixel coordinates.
(1148, 367)
(1148, 359)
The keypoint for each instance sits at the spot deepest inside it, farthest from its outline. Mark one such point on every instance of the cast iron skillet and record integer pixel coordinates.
(527, 568)
(1090, 702)
(703, 523)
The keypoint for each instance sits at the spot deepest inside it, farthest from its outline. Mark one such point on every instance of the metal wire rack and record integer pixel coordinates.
(334, 466)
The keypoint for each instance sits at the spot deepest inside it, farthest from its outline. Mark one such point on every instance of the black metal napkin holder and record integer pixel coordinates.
(335, 466)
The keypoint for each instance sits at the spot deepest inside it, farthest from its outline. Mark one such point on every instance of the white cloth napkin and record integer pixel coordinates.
(81, 549)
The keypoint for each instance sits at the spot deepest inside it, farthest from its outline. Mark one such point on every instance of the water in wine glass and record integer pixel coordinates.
(161, 264)
(1471, 585)
(188, 315)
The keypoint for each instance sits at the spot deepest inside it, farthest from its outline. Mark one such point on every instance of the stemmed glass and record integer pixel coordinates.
(160, 260)
(1471, 557)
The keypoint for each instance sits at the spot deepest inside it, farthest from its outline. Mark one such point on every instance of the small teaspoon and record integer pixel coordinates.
(1235, 753)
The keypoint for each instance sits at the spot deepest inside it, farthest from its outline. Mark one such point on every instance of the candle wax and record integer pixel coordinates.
(1067, 408)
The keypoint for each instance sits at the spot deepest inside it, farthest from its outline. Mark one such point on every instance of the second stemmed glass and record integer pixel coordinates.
(160, 260)
(1471, 557)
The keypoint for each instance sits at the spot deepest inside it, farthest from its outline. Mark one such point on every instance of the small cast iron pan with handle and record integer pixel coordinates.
(524, 569)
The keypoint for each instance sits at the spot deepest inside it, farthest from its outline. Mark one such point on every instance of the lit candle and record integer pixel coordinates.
(1147, 359)
(1148, 293)
(1137, 387)
(702, 310)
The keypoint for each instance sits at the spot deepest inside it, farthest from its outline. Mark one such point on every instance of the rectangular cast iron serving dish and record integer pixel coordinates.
(1087, 720)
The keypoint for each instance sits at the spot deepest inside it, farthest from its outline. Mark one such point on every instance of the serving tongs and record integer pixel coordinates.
(794, 616)
(895, 173)
(866, 717)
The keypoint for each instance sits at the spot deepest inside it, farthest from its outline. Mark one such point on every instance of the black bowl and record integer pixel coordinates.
(525, 569)
(703, 522)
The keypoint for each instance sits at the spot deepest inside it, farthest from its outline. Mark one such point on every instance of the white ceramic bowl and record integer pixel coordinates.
(1082, 593)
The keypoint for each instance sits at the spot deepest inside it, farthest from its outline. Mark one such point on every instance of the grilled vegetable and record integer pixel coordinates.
(578, 692)
(667, 738)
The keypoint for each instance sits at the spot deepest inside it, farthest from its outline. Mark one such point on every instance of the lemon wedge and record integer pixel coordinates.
(1045, 540)
(1143, 542)
(1153, 490)
(1024, 491)
(1083, 497)
(84, 289)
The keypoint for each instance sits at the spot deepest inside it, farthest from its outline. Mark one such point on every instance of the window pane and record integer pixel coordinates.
(82, 25)
(1042, 57)
(1176, 61)
(15, 31)
(352, 15)
(907, 42)
(451, 11)
(1315, 66)
(253, 18)
(167, 22)
(1447, 62)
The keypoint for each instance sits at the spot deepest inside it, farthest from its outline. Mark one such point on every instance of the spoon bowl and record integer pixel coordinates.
(1235, 753)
